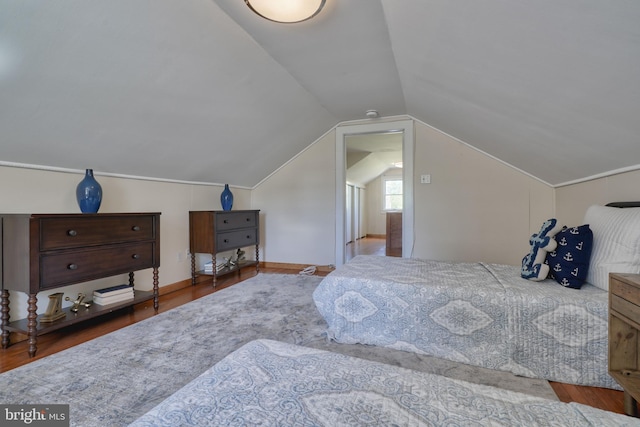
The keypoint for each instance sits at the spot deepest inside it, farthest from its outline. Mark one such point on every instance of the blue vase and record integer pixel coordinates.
(89, 193)
(226, 198)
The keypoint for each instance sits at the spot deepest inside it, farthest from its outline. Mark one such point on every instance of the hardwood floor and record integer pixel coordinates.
(16, 354)
(366, 246)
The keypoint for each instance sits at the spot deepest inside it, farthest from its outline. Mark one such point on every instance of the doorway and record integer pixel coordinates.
(344, 224)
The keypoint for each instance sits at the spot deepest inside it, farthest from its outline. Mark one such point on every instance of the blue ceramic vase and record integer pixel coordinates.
(89, 193)
(226, 198)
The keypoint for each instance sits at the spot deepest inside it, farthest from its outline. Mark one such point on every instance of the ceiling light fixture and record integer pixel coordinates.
(372, 114)
(286, 11)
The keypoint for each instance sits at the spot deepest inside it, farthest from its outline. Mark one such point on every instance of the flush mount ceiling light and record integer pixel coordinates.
(286, 11)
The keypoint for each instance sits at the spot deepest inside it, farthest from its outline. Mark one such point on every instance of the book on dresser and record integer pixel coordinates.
(208, 267)
(113, 290)
(113, 294)
(113, 299)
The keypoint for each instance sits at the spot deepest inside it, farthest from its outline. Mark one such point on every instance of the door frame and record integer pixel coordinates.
(404, 126)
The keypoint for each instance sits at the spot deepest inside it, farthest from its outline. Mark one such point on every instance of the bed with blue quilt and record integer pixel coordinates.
(488, 315)
(270, 383)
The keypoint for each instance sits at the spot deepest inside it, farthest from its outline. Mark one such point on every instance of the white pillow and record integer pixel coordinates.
(616, 243)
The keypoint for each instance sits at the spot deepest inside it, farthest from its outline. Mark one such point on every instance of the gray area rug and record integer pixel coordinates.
(114, 379)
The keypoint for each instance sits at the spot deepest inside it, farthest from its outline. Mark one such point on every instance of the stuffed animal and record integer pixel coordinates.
(533, 265)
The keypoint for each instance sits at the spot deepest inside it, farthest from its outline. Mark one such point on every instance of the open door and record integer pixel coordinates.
(342, 132)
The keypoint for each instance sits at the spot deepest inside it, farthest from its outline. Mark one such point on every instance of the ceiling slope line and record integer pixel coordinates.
(112, 175)
(483, 152)
(599, 175)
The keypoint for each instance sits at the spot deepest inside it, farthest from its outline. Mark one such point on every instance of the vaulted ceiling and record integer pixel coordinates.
(205, 90)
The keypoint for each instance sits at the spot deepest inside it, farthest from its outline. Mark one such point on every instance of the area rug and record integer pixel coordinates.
(114, 379)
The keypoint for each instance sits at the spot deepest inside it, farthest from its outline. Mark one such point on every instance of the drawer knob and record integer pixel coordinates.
(136, 228)
(226, 240)
(135, 256)
(248, 237)
(72, 233)
(248, 219)
(72, 266)
(226, 221)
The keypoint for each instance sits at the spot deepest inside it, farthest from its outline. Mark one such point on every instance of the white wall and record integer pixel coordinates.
(38, 191)
(298, 205)
(376, 216)
(376, 220)
(572, 201)
(476, 207)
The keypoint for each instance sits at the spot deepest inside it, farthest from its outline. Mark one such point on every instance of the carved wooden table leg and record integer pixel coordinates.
(257, 259)
(215, 268)
(193, 269)
(155, 289)
(131, 280)
(32, 324)
(5, 318)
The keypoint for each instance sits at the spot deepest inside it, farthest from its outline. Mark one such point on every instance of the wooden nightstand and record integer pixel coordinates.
(624, 324)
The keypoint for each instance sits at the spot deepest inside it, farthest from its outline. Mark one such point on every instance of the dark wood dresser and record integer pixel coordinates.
(211, 232)
(394, 234)
(42, 252)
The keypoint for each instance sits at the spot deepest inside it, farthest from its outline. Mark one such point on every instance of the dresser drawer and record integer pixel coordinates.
(236, 239)
(625, 291)
(61, 233)
(624, 307)
(232, 220)
(74, 266)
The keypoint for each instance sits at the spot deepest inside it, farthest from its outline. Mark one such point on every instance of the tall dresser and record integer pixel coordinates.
(43, 252)
(394, 234)
(211, 232)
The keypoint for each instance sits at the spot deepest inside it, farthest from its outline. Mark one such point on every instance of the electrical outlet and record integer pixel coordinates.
(425, 179)
(183, 255)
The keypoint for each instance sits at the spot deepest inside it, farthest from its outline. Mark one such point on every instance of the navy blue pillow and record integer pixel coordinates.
(569, 263)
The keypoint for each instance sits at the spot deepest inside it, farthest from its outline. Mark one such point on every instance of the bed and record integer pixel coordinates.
(271, 383)
(488, 315)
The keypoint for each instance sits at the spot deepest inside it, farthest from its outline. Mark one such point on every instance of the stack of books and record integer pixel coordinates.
(112, 294)
(208, 267)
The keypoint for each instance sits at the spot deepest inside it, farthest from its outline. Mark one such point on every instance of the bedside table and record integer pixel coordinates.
(624, 324)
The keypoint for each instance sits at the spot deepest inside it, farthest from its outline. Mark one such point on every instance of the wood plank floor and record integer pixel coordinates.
(16, 354)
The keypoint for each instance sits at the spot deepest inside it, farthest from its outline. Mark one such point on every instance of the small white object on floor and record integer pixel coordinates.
(308, 271)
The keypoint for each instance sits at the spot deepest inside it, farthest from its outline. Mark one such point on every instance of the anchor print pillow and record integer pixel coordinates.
(569, 262)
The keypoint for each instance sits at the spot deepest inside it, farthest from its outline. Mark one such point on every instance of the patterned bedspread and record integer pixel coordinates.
(480, 314)
(270, 383)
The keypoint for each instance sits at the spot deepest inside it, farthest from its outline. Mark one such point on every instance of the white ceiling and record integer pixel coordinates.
(205, 90)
